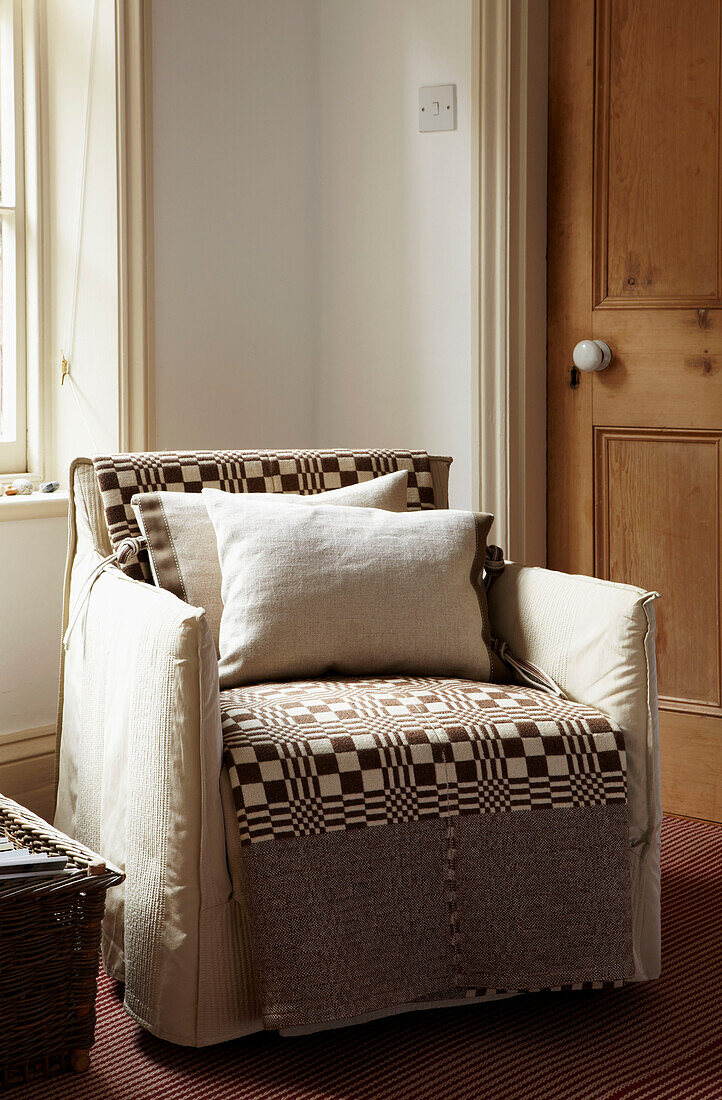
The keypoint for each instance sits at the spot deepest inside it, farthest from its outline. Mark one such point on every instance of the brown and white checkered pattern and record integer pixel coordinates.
(310, 757)
(121, 476)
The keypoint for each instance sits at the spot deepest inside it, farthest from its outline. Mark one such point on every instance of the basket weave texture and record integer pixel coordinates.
(49, 952)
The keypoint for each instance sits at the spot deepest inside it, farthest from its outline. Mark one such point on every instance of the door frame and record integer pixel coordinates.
(509, 270)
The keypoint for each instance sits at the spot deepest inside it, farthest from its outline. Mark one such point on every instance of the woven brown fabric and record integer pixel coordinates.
(345, 923)
(543, 898)
(348, 923)
(420, 838)
(310, 756)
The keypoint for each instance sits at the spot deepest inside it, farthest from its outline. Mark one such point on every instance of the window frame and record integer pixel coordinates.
(14, 453)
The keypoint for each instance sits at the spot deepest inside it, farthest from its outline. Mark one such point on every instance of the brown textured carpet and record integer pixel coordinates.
(658, 1041)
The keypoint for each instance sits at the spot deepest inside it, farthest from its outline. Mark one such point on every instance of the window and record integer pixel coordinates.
(13, 369)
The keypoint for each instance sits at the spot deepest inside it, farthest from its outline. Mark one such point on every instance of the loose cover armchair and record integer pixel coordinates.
(564, 836)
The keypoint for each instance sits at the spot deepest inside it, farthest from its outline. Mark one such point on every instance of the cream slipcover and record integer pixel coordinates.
(140, 775)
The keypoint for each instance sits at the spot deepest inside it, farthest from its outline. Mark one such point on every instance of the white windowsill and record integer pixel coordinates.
(36, 506)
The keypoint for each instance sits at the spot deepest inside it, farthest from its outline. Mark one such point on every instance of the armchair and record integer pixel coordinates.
(142, 776)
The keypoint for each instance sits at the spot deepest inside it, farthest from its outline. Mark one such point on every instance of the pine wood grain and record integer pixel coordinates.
(657, 144)
(648, 538)
(635, 240)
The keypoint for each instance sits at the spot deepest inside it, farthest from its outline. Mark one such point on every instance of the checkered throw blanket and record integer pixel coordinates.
(121, 476)
(416, 839)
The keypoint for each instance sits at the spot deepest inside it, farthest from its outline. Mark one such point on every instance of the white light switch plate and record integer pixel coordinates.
(437, 108)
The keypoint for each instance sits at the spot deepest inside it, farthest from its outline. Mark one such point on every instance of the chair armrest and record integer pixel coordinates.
(139, 770)
(596, 640)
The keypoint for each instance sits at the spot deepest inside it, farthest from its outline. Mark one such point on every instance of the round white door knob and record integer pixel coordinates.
(592, 355)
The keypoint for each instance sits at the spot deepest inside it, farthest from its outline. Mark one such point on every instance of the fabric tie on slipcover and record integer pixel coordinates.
(526, 672)
(128, 551)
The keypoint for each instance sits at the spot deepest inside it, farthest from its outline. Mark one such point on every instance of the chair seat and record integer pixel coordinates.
(379, 817)
(312, 756)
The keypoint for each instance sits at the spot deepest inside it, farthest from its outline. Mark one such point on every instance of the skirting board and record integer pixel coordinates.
(27, 769)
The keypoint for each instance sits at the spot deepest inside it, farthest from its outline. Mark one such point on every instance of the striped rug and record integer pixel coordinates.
(660, 1041)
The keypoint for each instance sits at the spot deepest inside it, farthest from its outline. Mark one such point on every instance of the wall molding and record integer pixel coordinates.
(510, 390)
(135, 223)
(27, 769)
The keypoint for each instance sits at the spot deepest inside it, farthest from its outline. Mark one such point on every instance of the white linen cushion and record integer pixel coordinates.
(353, 591)
(182, 542)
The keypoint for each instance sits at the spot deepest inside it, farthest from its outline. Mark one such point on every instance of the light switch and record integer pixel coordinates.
(437, 107)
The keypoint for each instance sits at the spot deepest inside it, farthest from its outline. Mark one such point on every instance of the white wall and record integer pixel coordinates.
(396, 231)
(236, 215)
(312, 249)
(32, 557)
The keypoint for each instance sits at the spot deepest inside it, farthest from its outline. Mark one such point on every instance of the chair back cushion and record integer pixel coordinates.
(122, 476)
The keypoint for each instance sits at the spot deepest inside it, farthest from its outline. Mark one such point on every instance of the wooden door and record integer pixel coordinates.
(635, 259)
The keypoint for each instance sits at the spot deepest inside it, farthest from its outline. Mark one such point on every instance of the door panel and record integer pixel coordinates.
(656, 354)
(654, 523)
(690, 766)
(635, 240)
(657, 194)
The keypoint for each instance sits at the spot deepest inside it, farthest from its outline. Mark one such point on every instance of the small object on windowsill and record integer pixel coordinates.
(36, 505)
(49, 486)
(22, 486)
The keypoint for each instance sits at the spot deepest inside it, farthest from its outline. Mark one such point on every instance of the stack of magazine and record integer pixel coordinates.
(19, 865)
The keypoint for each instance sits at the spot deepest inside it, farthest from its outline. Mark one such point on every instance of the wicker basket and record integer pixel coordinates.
(49, 950)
